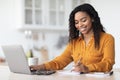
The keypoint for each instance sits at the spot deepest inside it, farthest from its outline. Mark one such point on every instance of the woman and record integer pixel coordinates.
(91, 49)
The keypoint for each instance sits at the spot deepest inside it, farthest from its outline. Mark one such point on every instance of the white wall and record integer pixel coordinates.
(109, 12)
(10, 19)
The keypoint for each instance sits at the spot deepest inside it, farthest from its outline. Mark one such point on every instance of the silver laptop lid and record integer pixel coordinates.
(16, 59)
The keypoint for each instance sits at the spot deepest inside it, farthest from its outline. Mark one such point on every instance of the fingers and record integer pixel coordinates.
(76, 69)
(37, 67)
(34, 67)
(78, 63)
(80, 68)
(76, 66)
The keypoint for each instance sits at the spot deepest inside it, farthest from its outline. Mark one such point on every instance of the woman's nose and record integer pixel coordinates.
(79, 25)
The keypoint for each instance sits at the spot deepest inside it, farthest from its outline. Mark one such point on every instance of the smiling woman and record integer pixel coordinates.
(90, 47)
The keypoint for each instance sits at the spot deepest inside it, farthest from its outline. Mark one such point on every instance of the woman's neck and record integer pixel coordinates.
(87, 37)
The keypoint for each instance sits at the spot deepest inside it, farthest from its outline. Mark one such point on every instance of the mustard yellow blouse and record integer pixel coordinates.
(101, 60)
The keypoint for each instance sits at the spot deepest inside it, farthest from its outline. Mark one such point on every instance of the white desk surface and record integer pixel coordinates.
(5, 74)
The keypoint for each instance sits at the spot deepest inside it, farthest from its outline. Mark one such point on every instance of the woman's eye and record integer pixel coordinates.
(83, 20)
(76, 22)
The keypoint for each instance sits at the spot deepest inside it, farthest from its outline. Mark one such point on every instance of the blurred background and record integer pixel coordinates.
(42, 25)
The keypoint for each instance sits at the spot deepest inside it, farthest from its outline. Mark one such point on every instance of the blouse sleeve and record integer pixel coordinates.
(108, 60)
(61, 61)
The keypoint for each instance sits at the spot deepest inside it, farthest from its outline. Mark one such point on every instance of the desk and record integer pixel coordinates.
(5, 74)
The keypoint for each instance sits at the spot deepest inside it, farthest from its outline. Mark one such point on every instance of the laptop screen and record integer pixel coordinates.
(16, 59)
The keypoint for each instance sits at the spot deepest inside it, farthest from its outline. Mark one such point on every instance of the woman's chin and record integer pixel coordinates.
(84, 32)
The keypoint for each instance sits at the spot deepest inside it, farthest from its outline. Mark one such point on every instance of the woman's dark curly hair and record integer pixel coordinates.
(97, 26)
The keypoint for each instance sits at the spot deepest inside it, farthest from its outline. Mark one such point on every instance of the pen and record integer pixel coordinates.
(111, 73)
(81, 72)
(77, 64)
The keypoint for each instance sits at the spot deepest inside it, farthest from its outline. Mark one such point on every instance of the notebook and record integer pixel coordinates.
(16, 59)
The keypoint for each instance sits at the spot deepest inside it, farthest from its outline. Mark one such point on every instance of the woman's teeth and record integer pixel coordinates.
(82, 29)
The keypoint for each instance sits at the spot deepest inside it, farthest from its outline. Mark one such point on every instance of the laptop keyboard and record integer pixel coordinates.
(43, 72)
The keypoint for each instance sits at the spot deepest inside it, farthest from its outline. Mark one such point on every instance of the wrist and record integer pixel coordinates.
(42, 67)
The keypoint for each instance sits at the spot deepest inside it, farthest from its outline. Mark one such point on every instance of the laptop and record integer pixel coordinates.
(17, 61)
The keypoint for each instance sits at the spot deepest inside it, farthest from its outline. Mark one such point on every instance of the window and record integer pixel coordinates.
(48, 13)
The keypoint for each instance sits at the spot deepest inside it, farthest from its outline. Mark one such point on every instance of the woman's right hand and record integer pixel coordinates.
(79, 67)
(38, 67)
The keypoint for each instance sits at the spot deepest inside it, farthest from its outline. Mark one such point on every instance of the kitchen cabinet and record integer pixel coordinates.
(47, 15)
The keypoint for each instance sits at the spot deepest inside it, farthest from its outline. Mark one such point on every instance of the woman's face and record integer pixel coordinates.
(83, 22)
